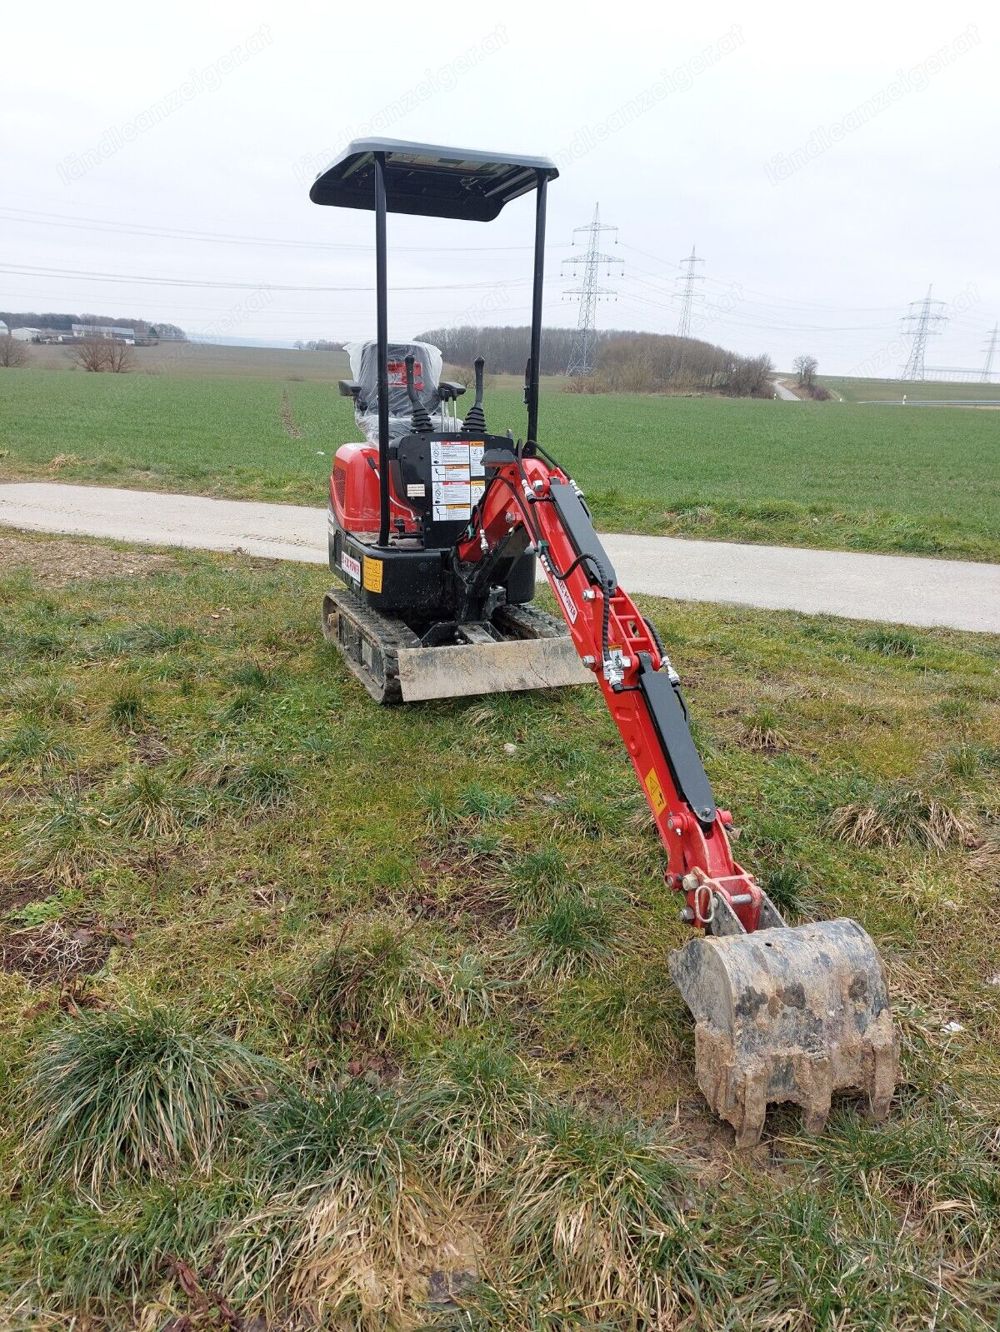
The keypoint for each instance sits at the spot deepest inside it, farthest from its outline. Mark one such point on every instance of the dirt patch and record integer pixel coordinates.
(51, 952)
(59, 561)
(15, 895)
(288, 422)
(150, 748)
(468, 889)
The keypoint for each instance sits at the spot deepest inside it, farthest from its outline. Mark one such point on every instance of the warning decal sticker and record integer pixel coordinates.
(655, 791)
(396, 373)
(452, 495)
(373, 574)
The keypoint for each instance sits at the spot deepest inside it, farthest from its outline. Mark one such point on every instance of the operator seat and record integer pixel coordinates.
(364, 388)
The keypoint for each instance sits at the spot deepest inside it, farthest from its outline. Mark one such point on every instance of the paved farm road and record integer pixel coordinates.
(891, 588)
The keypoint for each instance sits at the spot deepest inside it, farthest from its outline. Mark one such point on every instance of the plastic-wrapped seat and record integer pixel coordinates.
(363, 386)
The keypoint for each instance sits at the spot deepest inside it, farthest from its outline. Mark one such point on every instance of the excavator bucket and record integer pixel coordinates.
(788, 1014)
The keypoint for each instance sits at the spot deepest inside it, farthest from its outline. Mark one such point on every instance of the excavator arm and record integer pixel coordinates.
(530, 499)
(782, 1013)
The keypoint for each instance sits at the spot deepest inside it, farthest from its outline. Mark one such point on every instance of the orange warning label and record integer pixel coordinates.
(655, 791)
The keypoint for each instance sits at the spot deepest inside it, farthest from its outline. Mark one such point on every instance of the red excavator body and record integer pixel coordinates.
(354, 488)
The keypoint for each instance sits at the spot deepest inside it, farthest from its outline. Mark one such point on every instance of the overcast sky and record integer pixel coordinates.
(829, 163)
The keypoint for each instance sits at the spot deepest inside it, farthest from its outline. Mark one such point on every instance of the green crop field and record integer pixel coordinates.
(204, 360)
(819, 474)
(893, 390)
(313, 1012)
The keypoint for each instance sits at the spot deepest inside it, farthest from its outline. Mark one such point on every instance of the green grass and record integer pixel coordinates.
(310, 1009)
(858, 477)
(132, 1095)
(893, 390)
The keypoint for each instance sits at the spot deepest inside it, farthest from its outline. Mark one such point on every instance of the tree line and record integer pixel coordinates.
(626, 361)
(94, 352)
(505, 349)
(63, 323)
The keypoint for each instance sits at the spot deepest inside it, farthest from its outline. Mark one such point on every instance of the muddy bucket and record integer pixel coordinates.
(788, 1014)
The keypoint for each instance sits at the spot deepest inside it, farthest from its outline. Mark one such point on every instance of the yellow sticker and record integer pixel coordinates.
(373, 574)
(652, 784)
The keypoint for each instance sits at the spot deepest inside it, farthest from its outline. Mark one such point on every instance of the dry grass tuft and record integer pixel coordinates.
(984, 862)
(893, 816)
(589, 1202)
(349, 1228)
(575, 935)
(472, 1103)
(762, 732)
(366, 987)
(461, 991)
(149, 804)
(33, 746)
(373, 985)
(349, 1248)
(62, 841)
(127, 711)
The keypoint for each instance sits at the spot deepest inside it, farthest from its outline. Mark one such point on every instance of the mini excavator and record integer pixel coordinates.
(436, 528)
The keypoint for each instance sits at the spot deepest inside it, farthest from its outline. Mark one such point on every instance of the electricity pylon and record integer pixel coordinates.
(920, 324)
(687, 300)
(581, 361)
(991, 348)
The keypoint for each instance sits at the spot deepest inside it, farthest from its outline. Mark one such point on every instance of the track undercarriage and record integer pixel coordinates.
(519, 647)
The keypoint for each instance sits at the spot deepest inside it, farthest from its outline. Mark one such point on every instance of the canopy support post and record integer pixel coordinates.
(382, 322)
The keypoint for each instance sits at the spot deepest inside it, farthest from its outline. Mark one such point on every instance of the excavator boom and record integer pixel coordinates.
(782, 1013)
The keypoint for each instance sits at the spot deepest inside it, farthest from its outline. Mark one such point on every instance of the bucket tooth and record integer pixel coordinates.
(788, 1014)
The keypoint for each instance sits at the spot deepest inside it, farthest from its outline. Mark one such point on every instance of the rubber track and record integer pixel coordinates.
(384, 637)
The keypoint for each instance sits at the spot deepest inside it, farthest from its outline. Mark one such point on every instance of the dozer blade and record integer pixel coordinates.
(788, 1014)
(535, 653)
(525, 648)
(489, 668)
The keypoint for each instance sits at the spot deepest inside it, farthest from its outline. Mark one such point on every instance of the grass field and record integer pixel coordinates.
(892, 390)
(304, 1001)
(203, 360)
(865, 478)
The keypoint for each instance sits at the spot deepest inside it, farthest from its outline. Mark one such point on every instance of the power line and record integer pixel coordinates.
(920, 324)
(657, 258)
(89, 275)
(687, 301)
(581, 361)
(771, 301)
(37, 218)
(746, 319)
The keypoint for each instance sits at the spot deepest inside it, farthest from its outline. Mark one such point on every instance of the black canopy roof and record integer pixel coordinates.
(429, 180)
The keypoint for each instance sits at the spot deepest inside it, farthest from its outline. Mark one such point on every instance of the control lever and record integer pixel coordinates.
(420, 421)
(476, 419)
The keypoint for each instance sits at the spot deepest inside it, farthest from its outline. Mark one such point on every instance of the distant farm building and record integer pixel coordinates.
(26, 334)
(104, 331)
(4, 330)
